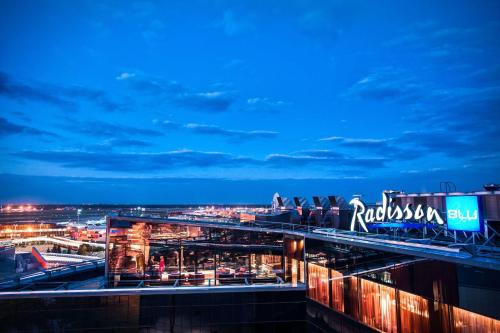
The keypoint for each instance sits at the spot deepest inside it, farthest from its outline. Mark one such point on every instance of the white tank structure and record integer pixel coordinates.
(281, 203)
(324, 211)
(337, 213)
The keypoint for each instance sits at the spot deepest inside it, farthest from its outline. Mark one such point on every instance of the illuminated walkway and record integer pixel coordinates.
(56, 240)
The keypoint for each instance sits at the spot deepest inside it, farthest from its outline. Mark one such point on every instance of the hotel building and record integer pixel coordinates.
(300, 267)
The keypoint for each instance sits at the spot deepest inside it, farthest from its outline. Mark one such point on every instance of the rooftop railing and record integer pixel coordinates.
(149, 287)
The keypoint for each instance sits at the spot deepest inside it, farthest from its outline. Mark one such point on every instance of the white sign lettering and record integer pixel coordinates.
(457, 214)
(389, 211)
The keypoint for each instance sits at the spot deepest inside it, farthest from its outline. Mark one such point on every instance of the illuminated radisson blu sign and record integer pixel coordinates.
(390, 211)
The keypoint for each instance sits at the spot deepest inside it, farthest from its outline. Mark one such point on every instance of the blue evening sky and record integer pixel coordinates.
(231, 101)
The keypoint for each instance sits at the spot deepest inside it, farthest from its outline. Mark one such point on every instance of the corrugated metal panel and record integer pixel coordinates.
(491, 207)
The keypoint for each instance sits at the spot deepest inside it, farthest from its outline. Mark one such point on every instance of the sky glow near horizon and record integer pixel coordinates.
(351, 92)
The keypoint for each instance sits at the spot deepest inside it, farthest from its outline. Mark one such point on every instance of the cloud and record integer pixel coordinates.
(128, 162)
(212, 101)
(9, 128)
(62, 97)
(410, 40)
(233, 63)
(435, 107)
(232, 24)
(461, 139)
(388, 84)
(228, 133)
(453, 33)
(446, 43)
(172, 91)
(433, 141)
(178, 159)
(153, 30)
(214, 130)
(152, 85)
(109, 145)
(116, 142)
(462, 147)
(459, 121)
(316, 22)
(323, 158)
(23, 92)
(264, 104)
(487, 76)
(326, 20)
(166, 124)
(97, 97)
(104, 129)
(392, 148)
(470, 119)
(358, 143)
(143, 8)
(124, 76)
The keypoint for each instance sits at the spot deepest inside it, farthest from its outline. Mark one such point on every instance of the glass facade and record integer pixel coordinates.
(389, 309)
(397, 293)
(164, 253)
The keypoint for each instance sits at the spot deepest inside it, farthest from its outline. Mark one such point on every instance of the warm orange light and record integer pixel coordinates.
(8, 208)
(318, 283)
